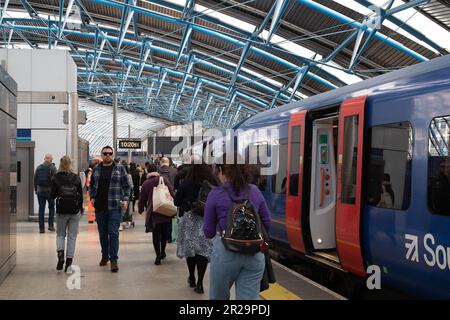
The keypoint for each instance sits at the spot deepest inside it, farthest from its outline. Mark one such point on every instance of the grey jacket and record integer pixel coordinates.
(169, 173)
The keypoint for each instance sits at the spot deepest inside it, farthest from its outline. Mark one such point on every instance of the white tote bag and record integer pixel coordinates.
(162, 200)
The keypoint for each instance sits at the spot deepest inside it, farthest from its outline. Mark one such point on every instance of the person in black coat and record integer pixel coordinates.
(191, 242)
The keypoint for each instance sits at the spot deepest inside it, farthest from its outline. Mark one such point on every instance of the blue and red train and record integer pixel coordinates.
(361, 177)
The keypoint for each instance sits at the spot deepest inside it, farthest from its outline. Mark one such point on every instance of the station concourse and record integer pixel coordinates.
(299, 147)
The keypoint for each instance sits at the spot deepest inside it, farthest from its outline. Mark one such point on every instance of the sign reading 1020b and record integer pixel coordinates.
(129, 144)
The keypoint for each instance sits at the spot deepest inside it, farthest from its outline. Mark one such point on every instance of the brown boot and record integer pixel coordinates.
(114, 267)
(103, 262)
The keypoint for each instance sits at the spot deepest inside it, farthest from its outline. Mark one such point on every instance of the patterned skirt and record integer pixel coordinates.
(191, 239)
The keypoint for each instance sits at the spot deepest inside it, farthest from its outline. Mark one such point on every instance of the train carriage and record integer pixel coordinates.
(362, 177)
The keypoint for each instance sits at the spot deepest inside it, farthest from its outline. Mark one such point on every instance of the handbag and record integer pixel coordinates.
(162, 200)
(268, 275)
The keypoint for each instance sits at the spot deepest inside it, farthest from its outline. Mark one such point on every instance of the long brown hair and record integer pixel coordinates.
(65, 164)
(238, 172)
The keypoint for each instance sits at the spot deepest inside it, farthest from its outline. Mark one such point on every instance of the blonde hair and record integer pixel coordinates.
(65, 164)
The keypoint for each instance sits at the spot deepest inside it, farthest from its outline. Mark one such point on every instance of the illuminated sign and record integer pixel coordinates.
(129, 144)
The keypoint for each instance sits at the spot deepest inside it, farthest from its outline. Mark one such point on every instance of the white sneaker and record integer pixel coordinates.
(120, 228)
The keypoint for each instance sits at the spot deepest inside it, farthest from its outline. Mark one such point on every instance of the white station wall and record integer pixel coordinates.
(42, 71)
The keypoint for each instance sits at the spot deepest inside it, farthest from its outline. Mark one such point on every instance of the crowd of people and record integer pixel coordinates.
(117, 189)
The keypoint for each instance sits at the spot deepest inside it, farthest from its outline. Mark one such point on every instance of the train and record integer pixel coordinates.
(359, 178)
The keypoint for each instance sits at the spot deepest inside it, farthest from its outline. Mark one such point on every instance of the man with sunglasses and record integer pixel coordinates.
(110, 192)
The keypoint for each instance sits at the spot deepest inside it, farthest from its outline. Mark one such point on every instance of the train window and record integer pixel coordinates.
(279, 165)
(295, 160)
(258, 157)
(389, 168)
(439, 166)
(349, 159)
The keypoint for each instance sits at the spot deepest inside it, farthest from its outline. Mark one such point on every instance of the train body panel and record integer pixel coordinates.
(389, 233)
(409, 243)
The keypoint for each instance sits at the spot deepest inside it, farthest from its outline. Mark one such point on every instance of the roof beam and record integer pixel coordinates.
(416, 33)
(194, 96)
(85, 19)
(188, 9)
(185, 43)
(125, 79)
(300, 77)
(161, 80)
(143, 60)
(279, 10)
(407, 5)
(29, 8)
(125, 22)
(97, 58)
(211, 32)
(19, 33)
(344, 19)
(62, 24)
(5, 7)
(10, 35)
(377, 22)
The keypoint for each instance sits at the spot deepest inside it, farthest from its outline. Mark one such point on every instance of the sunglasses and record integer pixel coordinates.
(107, 153)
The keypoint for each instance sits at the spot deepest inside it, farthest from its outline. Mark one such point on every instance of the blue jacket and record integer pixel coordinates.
(119, 187)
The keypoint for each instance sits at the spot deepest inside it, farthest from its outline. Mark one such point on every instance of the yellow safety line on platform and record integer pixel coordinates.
(278, 292)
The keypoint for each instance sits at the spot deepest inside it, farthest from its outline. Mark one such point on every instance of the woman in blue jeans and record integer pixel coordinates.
(66, 188)
(227, 268)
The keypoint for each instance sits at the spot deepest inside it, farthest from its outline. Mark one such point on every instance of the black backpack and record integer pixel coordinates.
(244, 232)
(43, 176)
(68, 197)
(198, 207)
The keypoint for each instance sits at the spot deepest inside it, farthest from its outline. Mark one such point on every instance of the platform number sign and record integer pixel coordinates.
(129, 144)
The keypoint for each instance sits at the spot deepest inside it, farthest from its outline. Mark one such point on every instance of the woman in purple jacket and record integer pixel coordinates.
(158, 222)
(227, 268)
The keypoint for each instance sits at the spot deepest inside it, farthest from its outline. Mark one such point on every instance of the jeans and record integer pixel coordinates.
(227, 267)
(42, 199)
(67, 222)
(108, 223)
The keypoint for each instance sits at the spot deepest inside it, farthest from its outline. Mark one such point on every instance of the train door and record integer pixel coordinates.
(348, 205)
(294, 181)
(322, 211)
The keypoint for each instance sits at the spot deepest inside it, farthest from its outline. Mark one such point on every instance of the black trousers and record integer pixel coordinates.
(160, 235)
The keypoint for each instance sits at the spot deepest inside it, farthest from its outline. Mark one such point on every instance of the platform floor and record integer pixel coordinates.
(35, 276)
(291, 285)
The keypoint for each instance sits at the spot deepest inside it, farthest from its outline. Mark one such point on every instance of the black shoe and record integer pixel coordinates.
(191, 281)
(51, 228)
(60, 264)
(68, 264)
(199, 288)
(158, 260)
(163, 255)
(41, 231)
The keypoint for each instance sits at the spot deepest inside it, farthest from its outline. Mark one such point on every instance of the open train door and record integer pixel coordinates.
(294, 182)
(348, 206)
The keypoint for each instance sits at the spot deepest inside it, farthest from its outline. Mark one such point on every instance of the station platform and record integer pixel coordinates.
(291, 285)
(35, 277)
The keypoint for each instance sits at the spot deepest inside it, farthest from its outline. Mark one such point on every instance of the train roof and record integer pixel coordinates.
(336, 96)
